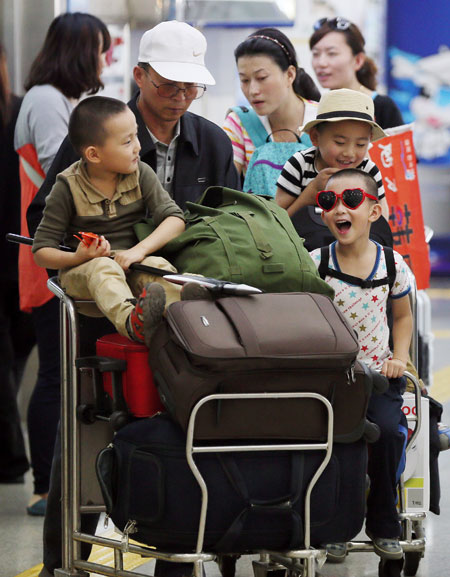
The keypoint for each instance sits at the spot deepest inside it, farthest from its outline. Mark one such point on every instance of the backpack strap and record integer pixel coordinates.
(390, 266)
(252, 124)
(324, 258)
(325, 270)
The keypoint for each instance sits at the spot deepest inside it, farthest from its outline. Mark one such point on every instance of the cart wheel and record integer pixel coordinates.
(263, 569)
(227, 565)
(86, 414)
(118, 419)
(390, 567)
(412, 560)
(418, 529)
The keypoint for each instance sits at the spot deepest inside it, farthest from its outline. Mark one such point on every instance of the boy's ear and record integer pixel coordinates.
(375, 212)
(91, 154)
(314, 136)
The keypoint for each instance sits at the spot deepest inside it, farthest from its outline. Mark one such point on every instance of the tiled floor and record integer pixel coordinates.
(21, 535)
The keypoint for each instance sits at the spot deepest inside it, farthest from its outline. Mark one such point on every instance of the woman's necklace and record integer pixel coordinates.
(288, 131)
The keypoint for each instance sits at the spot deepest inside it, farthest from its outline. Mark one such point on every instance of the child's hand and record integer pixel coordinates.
(393, 368)
(97, 248)
(127, 257)
(308, 195)
(320, 182)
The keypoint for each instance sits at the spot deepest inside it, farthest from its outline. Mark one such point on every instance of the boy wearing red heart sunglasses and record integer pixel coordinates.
(358, 270)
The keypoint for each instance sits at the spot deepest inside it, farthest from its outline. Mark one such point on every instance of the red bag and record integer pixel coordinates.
(139, 390)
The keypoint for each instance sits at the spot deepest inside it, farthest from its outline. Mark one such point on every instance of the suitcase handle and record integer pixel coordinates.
(99, 365)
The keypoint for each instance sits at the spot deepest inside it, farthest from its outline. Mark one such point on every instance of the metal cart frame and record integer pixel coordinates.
(303, 563)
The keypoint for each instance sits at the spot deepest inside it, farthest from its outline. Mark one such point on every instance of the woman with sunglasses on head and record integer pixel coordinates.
(339, 61)
(281, 93)
(68, 65)
(365, 275)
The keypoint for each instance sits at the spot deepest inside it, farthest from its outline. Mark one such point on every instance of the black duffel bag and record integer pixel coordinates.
(256, 500)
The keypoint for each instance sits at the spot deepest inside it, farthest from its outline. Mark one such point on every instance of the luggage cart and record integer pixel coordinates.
(80, 495)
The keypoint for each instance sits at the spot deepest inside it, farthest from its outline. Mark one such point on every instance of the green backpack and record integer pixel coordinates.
(242, 238)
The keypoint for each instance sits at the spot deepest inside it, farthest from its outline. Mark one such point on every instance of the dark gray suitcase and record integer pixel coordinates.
(261, 343)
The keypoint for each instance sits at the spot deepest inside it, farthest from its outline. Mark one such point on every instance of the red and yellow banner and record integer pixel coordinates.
(394, 155)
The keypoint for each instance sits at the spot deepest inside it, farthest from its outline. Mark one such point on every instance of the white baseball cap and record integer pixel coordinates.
(176, 51)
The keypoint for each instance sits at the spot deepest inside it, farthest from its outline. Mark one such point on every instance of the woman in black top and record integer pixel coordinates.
(16, 332)
(339, 61)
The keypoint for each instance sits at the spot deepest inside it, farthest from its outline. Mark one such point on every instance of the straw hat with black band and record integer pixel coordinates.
(346, 104)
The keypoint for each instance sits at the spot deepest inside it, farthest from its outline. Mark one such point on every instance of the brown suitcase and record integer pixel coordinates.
(261, 343)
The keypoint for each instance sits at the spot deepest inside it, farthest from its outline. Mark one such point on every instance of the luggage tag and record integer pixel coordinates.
(213, 284)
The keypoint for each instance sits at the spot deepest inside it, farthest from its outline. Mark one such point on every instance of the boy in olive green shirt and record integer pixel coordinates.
(107, 192)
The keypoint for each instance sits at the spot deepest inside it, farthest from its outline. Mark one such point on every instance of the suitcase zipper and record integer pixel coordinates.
(351, 374)
(128, 530)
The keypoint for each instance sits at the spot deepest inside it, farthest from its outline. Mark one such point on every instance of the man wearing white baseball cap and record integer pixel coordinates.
(176, 51)
(188, 154)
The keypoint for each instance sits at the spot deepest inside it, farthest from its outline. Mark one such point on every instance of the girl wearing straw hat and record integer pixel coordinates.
(341, 134)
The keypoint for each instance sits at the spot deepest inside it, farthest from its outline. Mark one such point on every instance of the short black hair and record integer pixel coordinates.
(87, 121)
(370, 184)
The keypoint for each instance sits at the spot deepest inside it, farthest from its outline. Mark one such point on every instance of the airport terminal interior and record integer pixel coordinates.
(413, 59)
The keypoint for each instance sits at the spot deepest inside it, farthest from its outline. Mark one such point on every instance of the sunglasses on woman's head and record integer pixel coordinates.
(350, 197)
(337, 23)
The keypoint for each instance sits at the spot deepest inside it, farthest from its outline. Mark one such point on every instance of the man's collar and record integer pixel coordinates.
(188, 132)
(174, 137)
(145, 139)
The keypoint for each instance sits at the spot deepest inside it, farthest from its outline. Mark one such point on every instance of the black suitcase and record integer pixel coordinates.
(256, 500)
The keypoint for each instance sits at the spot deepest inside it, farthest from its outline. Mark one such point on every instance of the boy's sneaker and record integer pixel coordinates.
(444, 436)
(147, 314)
(386, 547)
(336, 552)
(192, 291)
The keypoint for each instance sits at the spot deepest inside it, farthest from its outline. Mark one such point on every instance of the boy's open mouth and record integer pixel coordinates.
(344, 225)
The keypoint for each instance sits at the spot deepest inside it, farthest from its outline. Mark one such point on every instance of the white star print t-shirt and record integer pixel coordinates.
(365, 309)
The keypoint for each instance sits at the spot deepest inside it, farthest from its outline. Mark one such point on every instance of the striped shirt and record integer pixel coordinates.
(300, 170)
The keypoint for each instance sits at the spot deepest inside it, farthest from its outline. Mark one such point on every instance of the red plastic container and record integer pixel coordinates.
(139, 389)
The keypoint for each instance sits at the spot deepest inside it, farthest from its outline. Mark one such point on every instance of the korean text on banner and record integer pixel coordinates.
(394, 155)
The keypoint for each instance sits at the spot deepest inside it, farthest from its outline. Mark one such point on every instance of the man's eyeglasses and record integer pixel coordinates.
(350, 197)
(169, 90)
(337, 23)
